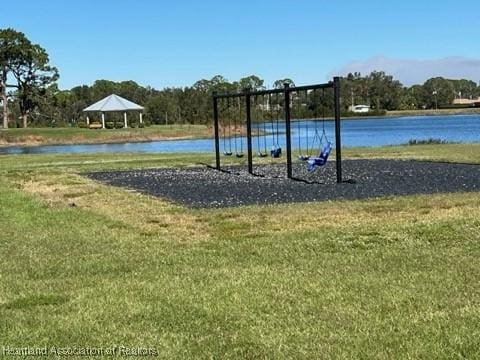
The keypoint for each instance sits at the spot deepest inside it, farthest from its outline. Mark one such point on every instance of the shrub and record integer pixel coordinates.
(109, 125)
(427, 141)
(141, 125)
(119, 125)
(82, 125)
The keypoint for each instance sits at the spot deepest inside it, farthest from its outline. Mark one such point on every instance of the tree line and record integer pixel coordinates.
(30, 94)
(383, 92)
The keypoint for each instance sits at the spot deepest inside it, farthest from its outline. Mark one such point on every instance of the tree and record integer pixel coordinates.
(408, 99)
(11, 43)
(28, 63)
(355, 88)
(417, 94)
(3, 92)
(466, 89)
(383, 90)
(103, 88)
(438, 92)
(33, 75)
(251, 82)
(278, 84)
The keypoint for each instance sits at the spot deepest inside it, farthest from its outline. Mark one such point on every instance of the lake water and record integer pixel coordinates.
(355, 132)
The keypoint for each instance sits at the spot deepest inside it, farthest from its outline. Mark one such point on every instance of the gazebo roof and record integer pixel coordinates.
(113, 103)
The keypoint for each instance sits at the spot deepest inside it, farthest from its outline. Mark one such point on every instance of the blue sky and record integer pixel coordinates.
(175, 43)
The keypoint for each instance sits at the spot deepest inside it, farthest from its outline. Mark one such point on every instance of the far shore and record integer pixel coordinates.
(99, 142)
(78, 136)
(433, 112)
(404, 113)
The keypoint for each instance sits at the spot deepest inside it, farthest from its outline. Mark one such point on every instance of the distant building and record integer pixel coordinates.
(359, 108)
(472, 102)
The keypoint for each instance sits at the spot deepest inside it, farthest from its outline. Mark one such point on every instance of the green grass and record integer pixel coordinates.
(81, 162)
(395, 277)
(468, 153)
(38, 136)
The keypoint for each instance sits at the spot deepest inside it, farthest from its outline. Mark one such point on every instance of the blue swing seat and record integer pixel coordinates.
(321, 159)
(276, 152)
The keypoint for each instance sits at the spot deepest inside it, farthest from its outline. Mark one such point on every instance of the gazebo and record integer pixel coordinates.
(114, 103)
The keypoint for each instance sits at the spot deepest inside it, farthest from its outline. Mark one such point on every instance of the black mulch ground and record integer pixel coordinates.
(202, 187)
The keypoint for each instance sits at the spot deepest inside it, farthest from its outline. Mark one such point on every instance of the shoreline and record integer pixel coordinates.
(431, 112)
(103, 142)
(36, 140)
(65, 136)
(395, 115)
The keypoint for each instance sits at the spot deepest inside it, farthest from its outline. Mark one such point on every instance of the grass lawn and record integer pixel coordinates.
(43, 136)
(88, 265)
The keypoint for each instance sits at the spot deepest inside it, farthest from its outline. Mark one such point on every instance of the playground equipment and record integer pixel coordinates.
(282, 99)
(227, 151)
(238, 148)
(276, 150)
(325, 146)
(301, 155)
(262, 106)
(229, 111)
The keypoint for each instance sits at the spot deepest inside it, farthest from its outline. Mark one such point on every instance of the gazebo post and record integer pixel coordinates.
(88, 121)
(141, 118)
(103, 120)
(125, 119)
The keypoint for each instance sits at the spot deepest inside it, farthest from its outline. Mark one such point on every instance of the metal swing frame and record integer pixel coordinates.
(286, 91)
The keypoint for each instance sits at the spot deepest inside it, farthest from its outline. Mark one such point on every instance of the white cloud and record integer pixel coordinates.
(413, 71)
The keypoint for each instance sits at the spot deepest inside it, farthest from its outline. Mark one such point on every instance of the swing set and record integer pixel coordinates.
(320, 140)
(227, 132)
(261, 153)
(232, 130)
(268, 106)
(276, 150)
